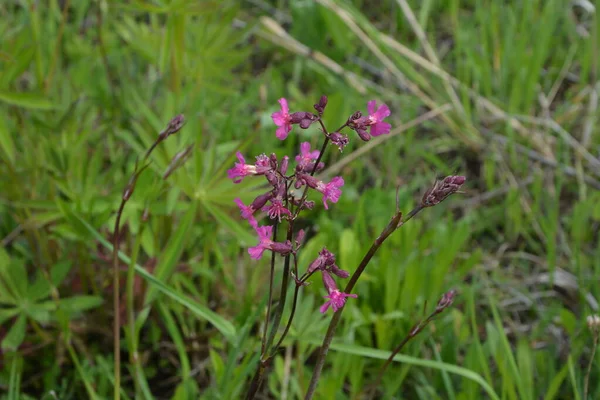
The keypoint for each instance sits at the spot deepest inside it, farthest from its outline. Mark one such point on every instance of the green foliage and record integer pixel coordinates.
(86, 86)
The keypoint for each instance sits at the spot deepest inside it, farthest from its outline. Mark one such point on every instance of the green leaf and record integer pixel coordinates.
(27, 100)
(6, 143)
(383, 355)
(171, 255)
(15, 335)
(80, 303)
(224, 326)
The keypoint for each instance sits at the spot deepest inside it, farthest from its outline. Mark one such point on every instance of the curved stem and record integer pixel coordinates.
(395, 223)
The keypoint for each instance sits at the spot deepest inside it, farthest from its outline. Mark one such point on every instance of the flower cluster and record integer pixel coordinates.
(281, 202)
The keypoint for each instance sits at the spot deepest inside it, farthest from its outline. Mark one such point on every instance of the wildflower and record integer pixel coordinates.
(306, 156)
(442, 189)
(266, 243)
(241, 169)
(247, 213)
(331, 191)
(376, 117)
(283, 120)
(336, 298)
(276, 210)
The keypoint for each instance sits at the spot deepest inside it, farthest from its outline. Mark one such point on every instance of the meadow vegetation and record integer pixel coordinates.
(504, 93)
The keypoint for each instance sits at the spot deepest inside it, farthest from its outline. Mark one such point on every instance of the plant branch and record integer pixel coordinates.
(395, 223)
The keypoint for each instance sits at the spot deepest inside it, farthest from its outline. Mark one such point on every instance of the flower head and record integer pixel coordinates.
(339, 139)
(241, 169)
(376, 117)
(306, 156)
(265, 243)
(283, 120)
(336, 298)
(247, 212)
(276, 210)
(331, 191)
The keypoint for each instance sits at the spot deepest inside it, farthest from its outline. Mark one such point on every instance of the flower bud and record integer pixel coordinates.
(260, 201)
(442, 189)
(363, 134)
(446, 301)
(174, 125)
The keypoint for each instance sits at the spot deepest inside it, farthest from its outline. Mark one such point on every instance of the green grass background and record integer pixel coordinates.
(505, 93)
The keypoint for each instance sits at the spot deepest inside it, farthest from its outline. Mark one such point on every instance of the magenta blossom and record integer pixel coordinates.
(331, 191)
(276, 210)
(247, 212)
(306, 156)
(241, 169)
(283, 120)
(265, 243)
(376, 117)
(336, 298)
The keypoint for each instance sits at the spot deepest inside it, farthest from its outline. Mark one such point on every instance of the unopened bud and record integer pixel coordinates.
(300, 237)
(363, 134)
(442, 189)
(174, 125)
(261, 200)
(320, 106)
(446, 301)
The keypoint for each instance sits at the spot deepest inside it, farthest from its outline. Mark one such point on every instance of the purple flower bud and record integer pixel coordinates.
(328, 282)
(273, 161)
(339, 140)
(282, 248)
(300, 237)
(339, 272)
(297, 117)
(323, 101)
(260, 201)
(174, 126)
(442, 189)
(446, 301)
(363, 134)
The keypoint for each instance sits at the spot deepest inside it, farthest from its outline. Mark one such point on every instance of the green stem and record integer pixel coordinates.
(394, 224)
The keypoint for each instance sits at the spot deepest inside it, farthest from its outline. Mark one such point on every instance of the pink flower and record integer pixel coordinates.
(241, 169)
(264, 237)
(331, 191)
(283, 120)
(306, 156)
(336, 300)
(376, 117)
(265, 243)
(247, 212)
(276, 210)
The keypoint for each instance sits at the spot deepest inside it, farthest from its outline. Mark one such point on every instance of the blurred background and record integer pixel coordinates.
(505, 93)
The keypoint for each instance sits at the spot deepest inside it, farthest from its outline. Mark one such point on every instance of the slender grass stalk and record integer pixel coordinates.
(173, 127)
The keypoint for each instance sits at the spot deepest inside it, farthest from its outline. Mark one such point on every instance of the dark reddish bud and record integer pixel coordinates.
(339, 140)
(354, 117)
(446, 301)
(273, 161)
(297, 117)
(300, 237)
(281, 248)
(261, 200)
(311, 181)
(363, 134)
(272, 178)
(339, 272)
(320, 106)
(174, 125)
(442, 189)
